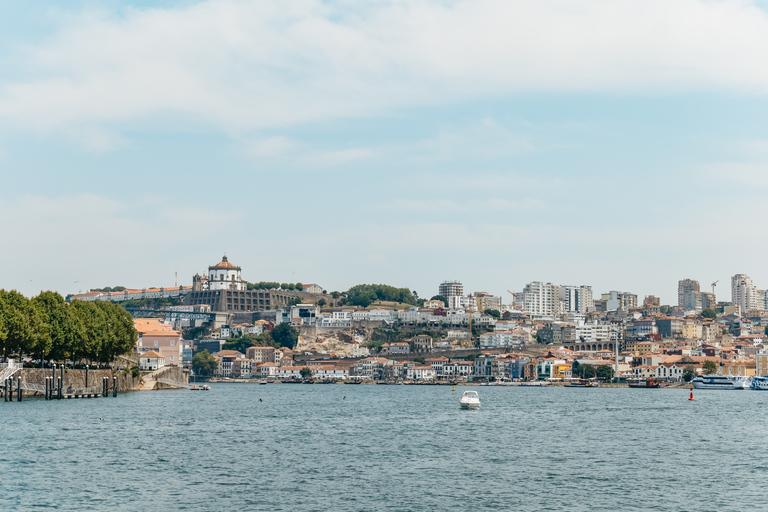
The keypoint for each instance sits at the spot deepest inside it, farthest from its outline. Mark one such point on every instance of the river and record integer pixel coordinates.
(283, 447)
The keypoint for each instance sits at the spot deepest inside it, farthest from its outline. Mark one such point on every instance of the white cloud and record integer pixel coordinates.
(444, 207)
(241, 65)
(50, 243)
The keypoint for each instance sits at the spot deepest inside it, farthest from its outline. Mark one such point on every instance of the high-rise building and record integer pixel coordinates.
(693, 301)
(685, 286)
(487, 301)
(541, 300)
(744, 294)
(575, 299)
(619, 300)
(451, 289)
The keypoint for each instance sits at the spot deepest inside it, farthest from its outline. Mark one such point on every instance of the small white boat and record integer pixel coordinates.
(470, 400)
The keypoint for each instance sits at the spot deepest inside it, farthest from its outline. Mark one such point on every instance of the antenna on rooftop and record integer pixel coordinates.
(176, 279)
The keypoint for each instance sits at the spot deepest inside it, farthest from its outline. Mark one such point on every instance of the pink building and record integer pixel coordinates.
(160, 337)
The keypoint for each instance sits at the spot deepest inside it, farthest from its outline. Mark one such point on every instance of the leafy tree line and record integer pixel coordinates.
(363, 294)
(270, 285)
(284, 335)
(48, 328)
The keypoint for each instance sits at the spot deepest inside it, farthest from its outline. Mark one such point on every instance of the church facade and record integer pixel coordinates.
(224, 290)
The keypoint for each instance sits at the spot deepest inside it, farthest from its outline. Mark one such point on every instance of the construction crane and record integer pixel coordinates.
(714, 303)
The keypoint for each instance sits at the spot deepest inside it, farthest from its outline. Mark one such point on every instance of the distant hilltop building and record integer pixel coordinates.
(225, 291)
(132, 294)
(221, 276)
(451, 289)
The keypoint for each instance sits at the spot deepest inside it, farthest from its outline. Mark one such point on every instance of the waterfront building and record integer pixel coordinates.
(268, 369)
(421, 373)
(150, 361)
(160, 337)
(686, 286)
(761, 360)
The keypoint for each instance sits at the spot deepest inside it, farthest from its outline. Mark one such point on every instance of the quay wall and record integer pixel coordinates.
(76, 378)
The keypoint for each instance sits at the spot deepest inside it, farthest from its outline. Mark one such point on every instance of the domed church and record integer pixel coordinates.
(225, 276)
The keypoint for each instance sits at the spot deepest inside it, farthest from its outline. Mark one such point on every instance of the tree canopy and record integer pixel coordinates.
(363, 294)
(203, 363)
(441, 298)
(710, 367)
(285, 335)
(586, 371)
(47, 328)
(689, 372)
(709, 313)
(604, 372)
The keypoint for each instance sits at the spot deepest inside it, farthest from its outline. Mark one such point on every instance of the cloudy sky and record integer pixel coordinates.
(621, 144)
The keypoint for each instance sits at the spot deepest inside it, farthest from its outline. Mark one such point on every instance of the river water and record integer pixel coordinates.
(361, 447)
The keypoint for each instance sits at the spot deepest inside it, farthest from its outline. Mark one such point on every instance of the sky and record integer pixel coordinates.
(621, 144)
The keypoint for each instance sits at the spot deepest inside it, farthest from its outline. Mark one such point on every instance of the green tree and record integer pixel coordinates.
(240, 344)
(19, 338)
(495, 313)
(335, 295)
(587, 371)
(709, 313)
(419, 360)
(299, 287)
(364, 294)
(710, 367)
(604, 372)
(285, 335)
(306, 373)
(204, 364)
(321, 303)
(689, 372)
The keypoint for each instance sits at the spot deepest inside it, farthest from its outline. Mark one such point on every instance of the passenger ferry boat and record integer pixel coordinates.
(759, 383)
(721, 382)
(644, 383)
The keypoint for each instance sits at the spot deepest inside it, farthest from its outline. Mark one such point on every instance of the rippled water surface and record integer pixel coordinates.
(342, 447)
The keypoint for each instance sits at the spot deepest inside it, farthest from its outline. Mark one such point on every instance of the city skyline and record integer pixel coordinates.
(398, 143)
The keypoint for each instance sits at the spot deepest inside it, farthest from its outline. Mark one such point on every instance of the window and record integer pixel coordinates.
(173, 343)
(155, 342)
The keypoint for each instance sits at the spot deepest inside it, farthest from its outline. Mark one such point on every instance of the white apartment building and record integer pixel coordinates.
(450, 289)
(744, 294)
(685, 286)
(541, 300)
(575, 299)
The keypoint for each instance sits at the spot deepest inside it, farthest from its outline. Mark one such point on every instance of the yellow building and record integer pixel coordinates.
(745, 367)
(761, 360)
(691, 329)
(562, 371)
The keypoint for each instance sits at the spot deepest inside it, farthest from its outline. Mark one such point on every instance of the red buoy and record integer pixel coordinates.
(691, 397)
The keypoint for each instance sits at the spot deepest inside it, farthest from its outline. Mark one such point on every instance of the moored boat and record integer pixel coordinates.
(583, 383)
(727, 382)
(644, 383)
(204, 387)
(759, 383)
(470, 400)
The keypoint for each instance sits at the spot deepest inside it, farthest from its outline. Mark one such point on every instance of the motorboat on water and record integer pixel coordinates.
(759, 383)
(204, 387)
(644, 383)
(583, 383)
(470, 400)
(721, 382)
